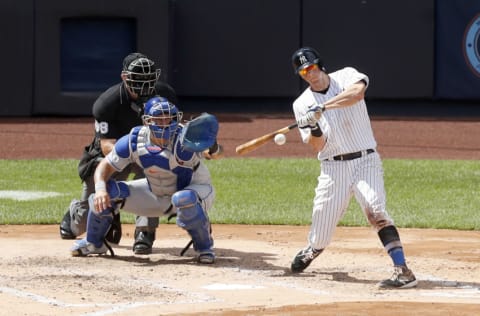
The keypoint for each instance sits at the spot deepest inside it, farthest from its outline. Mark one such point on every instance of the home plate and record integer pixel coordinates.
(220, 286)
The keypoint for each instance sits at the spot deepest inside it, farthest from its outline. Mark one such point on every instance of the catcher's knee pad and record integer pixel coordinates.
(117, 189)
(192, 217)
(98, 224)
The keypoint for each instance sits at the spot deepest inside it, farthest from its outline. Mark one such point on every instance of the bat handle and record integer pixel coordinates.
(292, 126)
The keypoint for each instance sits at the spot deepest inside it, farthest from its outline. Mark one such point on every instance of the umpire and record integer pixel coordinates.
(116, 112)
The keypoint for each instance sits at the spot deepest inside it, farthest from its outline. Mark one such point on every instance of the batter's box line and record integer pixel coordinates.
(114, 307)
(42, 299)
(433, 282)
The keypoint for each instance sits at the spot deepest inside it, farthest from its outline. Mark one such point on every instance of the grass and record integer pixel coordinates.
(420, 193)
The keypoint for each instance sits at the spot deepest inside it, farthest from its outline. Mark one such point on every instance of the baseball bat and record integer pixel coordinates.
(262, 140)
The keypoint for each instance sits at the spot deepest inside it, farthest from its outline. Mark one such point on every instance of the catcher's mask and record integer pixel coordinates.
(162, 118)
(140, 74)
(305, 57)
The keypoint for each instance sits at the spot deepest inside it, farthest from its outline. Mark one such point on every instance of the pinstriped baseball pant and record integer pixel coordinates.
(337, 183)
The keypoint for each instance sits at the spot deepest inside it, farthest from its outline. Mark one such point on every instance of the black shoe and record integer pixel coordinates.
(402, 278)
(65, 230)
(303, 259)
(114, 234)
(143, 242)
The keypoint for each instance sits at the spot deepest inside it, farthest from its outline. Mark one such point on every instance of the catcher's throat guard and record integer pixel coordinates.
(200, 133)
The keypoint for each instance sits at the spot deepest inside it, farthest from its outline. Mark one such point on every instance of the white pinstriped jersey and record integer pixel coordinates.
(346, 129)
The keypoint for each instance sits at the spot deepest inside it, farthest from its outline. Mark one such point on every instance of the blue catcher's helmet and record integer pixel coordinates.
(162, 117)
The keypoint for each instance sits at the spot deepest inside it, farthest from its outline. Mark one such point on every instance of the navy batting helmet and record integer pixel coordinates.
(305, 57)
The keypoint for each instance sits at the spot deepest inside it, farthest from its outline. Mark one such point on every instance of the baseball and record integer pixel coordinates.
(280, 139)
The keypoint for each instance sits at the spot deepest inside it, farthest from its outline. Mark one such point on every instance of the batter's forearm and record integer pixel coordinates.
(317, 142)
(349, 97)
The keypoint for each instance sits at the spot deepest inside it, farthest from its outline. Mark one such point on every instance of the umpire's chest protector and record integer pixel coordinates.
(167, 170)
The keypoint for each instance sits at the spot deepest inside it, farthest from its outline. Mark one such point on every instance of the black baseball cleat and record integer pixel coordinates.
(303, 259)
(65, 229)
(143, 242)
(402, 278)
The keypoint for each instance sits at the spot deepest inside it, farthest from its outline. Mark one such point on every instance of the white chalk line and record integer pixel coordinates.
(111, 308)
(231, 287)
(456, 289)
(261, 282)
(39, 298)
(26, 195)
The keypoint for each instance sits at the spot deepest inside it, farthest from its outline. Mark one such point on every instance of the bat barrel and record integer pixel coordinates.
(262, 140)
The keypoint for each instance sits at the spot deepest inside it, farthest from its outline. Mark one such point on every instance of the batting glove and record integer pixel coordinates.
(309, 120)
(319, 108)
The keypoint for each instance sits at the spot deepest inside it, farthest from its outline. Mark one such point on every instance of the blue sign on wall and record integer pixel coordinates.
(457, 49)
(92, 51)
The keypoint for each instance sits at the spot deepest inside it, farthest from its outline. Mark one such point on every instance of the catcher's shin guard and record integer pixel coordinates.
(193, 218)
(118, 191)
(98, 224)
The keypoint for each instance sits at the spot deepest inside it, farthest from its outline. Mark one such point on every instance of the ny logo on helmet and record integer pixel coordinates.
(303, 59)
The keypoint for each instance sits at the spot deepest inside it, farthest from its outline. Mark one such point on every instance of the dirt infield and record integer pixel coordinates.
(250, 277)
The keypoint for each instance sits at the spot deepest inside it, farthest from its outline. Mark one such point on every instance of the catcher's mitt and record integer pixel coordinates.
(200, 133)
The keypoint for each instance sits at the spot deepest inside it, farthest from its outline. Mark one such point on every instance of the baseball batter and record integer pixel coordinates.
(177, 181)
(116, 112)
(332, 117)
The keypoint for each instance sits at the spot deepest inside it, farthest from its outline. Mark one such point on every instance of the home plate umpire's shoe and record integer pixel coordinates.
(402, 278)
(143, 242)
(303, 259)
(65, 229)
(83, 248)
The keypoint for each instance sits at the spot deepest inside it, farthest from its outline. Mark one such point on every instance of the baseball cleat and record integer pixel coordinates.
(402, 278)
(65, 229)
(207, 257)
(303, 259)
(83, 248)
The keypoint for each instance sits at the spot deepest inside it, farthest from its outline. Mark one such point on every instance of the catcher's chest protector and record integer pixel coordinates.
(165, 170)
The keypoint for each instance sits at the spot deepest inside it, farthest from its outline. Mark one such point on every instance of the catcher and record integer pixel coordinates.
(177, 182)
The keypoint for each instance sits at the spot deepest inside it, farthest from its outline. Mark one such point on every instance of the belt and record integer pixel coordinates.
(351, 156)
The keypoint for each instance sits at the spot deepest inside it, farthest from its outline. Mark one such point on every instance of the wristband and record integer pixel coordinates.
(100, 185)
(316, 131)
(213, 149)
